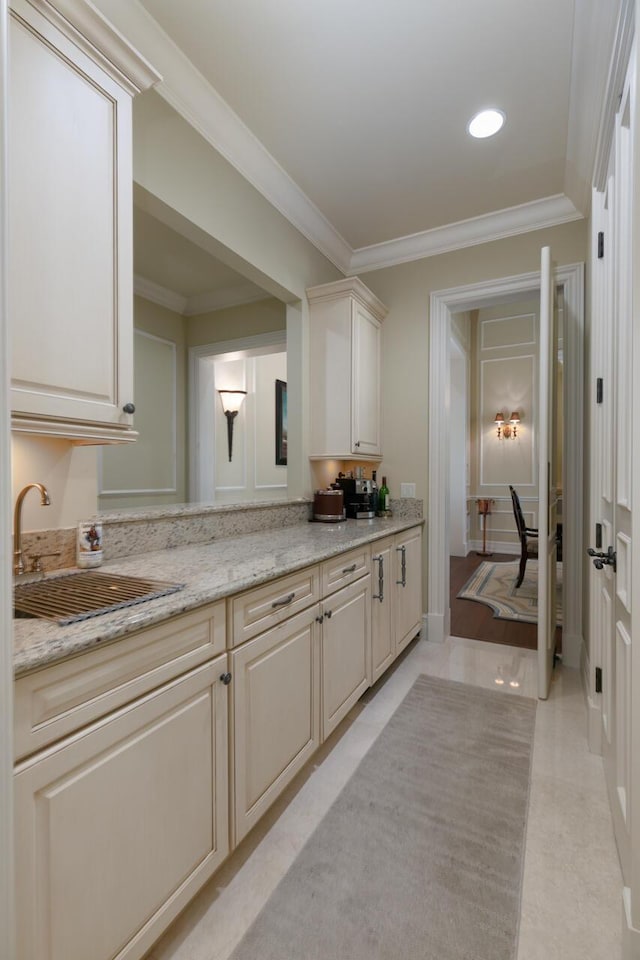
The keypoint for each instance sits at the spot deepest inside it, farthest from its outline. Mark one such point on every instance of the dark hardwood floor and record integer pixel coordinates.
(476, 620)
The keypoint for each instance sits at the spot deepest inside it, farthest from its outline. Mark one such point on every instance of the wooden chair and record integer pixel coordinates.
(528, 536)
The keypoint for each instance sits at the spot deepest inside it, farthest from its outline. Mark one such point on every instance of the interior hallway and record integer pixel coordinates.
(572, 889)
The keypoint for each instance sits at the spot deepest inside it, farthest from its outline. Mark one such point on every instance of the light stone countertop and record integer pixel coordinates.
(209, 572)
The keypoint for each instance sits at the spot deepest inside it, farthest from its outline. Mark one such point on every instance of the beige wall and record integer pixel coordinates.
(161, 420)
(68, 472)
(233, 323)
(178, 167)
(504, 376)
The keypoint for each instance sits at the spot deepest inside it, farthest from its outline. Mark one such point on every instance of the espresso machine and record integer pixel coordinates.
(360, 496)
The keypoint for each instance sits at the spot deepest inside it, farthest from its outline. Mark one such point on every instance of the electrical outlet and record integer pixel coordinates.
(407, 489)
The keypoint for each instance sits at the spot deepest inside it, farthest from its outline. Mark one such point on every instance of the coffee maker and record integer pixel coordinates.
(360, 497)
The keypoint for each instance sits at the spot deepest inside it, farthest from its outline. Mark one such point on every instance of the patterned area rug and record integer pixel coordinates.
(495, 585)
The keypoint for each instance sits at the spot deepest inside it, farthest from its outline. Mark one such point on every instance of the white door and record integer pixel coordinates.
(547, 480)
(610, 538)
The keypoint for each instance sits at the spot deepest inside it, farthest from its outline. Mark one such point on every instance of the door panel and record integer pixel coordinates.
(547, 481)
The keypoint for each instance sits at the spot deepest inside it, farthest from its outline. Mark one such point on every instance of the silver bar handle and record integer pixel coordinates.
(380, 594)
(403, 566)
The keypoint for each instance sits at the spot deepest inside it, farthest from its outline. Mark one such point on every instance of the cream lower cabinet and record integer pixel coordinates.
(383, 639)
(396, 602)
(408, 586)
(275, 696)
(346, 654)
(119, 824)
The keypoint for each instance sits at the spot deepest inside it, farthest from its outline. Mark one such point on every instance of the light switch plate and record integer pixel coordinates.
(407, 489)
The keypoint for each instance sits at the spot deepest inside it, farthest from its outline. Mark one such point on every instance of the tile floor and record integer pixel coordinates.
(572, 889)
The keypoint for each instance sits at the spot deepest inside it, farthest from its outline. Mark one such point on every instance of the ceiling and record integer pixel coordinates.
(361, 106)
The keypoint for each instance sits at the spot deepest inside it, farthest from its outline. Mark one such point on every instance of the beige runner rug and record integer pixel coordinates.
(421, 855)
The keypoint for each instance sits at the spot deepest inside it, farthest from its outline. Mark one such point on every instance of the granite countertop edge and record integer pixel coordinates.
(209, 572)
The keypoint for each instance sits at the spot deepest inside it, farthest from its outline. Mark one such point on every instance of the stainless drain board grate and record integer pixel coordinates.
(72, 597)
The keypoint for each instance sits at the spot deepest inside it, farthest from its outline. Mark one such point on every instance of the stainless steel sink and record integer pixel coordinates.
(71, 597)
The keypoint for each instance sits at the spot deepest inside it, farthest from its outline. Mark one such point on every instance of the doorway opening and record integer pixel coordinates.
(445, 305)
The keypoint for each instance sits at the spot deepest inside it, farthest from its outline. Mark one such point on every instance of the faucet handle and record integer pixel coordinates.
(35, 558)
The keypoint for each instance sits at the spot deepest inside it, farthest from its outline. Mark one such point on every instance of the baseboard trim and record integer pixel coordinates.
(572, 647)
(434, 627)
(495, 546)
(630, 934)
(592, 701)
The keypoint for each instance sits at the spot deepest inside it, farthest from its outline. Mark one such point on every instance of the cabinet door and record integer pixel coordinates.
(118, 826)
(346, 651)
(408, 612)
(70, 232)
(365, 382)
(383, 640)
(275, 691)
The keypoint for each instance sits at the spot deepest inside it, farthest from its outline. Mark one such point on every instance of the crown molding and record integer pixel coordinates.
(148, 290)
(192, 96)
(199, 303)
(536, 215)
(224, 297)
(614, 88)
(83, 24)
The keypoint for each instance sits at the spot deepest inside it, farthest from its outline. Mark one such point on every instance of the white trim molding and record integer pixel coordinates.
(197, 304)
(7, 878)
(162, 296)
(536, 215)
(442, 304)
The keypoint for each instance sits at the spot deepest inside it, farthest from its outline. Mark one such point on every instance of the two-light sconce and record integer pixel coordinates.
(507, 429)
(231, 402)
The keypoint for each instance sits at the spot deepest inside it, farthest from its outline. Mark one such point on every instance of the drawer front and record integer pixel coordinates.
(265, 607)
(52, 702)
(345, 568)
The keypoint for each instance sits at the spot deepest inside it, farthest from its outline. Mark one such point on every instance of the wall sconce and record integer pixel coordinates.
(231, 402)
(510, 429)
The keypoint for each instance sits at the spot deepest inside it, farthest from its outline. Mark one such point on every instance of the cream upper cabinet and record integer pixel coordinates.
(345, 332)
(71, 83)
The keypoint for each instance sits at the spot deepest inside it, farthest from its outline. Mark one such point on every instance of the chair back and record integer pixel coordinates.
(518, 514)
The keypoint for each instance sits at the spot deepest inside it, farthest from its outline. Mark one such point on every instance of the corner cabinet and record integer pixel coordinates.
(345, 332)
(71, 83)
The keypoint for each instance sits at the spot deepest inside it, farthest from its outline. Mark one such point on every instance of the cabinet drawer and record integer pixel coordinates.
(345, 568)
(56, 700)
(257, 610)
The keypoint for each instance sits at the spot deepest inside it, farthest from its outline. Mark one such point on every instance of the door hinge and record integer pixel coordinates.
(600, 244)
(599, 390)
(598, 679)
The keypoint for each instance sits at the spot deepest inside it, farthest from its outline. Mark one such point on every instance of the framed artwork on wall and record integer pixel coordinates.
(281, 423)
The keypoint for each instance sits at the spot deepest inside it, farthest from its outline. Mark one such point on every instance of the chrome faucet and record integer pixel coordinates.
(18, 562)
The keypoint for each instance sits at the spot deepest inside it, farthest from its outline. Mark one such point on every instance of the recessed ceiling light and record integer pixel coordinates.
(486, 123)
